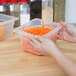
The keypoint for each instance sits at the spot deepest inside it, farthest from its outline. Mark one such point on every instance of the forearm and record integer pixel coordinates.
(66, 64)
(73, 30)
(74, 40)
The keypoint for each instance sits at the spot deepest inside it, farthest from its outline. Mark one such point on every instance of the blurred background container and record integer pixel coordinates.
(15, 11)
(6, 26)
(4, 7)
(24, 11)
(47, 10)
(53, 10)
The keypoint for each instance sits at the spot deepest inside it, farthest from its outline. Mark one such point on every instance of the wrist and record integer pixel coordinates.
(75, 39)
(57, 54)
(54, 51)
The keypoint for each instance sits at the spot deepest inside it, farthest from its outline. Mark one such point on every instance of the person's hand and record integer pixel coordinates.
(68, 33)
(43, 45)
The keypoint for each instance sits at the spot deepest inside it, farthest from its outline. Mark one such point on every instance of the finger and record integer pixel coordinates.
(36, 41)
(33, 44)
(66, 34)
(61, 30)
(60, 37)
(60, 33)
(63, 23)
(35, 47)
(41, 39)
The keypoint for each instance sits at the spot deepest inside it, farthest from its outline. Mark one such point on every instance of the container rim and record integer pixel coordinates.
(10, 20)
(21, 32)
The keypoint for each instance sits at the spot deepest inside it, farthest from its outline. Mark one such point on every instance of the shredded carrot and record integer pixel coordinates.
(42, 23)
(38, 30)
(27, 28)
(2, 30)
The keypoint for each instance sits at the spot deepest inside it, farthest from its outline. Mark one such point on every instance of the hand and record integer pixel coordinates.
(43, 45)
(68, 33)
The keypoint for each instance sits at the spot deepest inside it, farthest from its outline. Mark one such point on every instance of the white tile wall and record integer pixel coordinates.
(70, 16)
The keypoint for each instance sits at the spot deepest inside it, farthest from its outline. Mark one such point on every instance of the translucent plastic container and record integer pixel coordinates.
(47, 9)
(6, 26)
(37, 22)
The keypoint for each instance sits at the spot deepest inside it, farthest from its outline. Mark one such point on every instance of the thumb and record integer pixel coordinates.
(63, 23)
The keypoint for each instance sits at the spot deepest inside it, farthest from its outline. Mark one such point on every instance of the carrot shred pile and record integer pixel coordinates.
(38, 30)
(2, 30)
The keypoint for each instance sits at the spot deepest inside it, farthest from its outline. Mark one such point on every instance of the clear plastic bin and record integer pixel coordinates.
(47, 9)
(6, 26)
(37, 22)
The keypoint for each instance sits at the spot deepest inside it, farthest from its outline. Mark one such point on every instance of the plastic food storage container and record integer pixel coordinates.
(47, 9)
(37, 22)
(6, 26)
